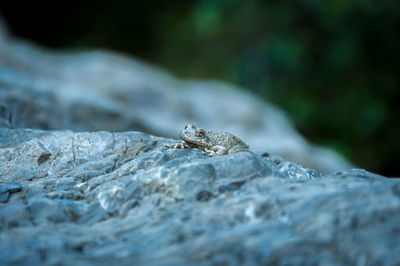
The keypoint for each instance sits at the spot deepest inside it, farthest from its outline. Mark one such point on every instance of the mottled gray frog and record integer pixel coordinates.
(213, 143)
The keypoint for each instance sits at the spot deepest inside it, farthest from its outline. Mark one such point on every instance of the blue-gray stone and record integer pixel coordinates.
(4, 195)
(122, 198)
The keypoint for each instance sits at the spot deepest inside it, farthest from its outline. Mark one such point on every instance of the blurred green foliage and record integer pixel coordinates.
(332, 65)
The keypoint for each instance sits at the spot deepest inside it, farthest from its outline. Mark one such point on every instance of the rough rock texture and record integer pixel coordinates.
(122, 199)
(90, 91)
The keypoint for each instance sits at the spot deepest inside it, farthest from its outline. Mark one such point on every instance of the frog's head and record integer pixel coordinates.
(195, 137)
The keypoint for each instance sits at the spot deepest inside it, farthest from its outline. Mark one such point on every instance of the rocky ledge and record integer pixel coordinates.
(103, 198)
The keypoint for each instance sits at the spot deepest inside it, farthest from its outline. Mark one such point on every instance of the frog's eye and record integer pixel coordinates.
(186, 126)
(200, 133)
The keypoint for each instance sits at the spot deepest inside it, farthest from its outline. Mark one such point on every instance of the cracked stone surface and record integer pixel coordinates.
(69, 198)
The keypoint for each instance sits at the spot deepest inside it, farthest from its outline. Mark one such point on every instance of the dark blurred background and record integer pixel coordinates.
(333, 66)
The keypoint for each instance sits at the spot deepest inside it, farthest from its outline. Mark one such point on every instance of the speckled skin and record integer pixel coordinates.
(213, 143)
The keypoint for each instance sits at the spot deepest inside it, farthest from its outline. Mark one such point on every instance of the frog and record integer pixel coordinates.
(213, 143)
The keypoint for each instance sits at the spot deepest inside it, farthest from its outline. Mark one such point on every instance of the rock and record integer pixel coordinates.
(5, 117)
(4, 195)
(43, 157)
(6, 190)
(204, 195)
(100, 90)
(13, 187)
(117, 198)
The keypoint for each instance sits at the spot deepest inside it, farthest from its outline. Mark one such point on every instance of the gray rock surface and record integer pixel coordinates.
(100, 90)
(122, 199)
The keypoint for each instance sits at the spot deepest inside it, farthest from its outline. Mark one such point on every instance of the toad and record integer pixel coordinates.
(212, 143)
